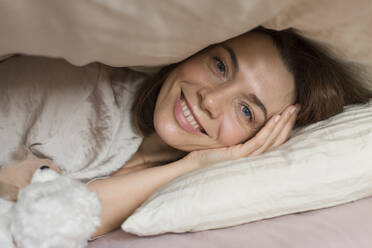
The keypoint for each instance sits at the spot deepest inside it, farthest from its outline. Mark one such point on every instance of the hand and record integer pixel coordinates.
(18, 175)
(273, 134)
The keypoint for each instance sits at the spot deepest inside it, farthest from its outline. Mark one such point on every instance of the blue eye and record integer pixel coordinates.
(220, 66)
(246, 112)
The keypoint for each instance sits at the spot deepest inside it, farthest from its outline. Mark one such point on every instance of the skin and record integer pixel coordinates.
(217, 92)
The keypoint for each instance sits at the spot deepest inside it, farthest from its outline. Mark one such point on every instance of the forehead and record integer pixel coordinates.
(262, 70)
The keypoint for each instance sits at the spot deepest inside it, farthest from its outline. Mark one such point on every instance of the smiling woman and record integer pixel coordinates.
(231, 100)
(238, 98)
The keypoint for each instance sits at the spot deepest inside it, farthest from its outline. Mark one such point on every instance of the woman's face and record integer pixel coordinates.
(223, 95)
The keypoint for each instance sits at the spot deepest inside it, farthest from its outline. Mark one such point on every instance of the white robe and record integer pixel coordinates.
(80, 118)
(77, 116)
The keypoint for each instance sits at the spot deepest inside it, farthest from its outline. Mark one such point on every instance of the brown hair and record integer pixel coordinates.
(145, 99)
(324, 84)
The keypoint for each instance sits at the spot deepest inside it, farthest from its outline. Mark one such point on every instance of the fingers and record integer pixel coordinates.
(281, 131)
(8, 191)
(259, 140)
(275, 132)
(285, 132)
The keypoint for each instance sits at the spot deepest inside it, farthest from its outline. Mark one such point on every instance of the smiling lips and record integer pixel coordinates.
(186, 118)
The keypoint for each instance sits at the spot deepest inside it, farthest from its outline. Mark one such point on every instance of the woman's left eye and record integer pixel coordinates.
(246, 112)
(220, 65)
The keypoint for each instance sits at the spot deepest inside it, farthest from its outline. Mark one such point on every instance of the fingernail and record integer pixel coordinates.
(292, 111)
(44, 167)
(276, 118)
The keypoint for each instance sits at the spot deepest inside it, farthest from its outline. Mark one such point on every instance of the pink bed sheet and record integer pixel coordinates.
(344, 226)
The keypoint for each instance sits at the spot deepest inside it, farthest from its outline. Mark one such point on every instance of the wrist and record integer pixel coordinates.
(191, 161)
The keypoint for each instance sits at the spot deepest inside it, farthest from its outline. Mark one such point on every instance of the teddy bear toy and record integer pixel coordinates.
(52, 211)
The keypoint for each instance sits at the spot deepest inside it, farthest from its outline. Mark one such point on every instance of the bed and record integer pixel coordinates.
(143, 36)
(344, 226)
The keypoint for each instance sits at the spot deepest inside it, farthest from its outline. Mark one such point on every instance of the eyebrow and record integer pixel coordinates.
(258, 103)
(251, 96)
(232, 57)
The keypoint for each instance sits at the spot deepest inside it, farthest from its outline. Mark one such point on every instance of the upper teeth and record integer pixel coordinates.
(188, 115)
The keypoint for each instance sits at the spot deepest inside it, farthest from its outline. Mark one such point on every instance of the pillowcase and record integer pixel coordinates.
(322, 165)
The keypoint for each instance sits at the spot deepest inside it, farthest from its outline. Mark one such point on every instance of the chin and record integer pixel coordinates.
(167, 132)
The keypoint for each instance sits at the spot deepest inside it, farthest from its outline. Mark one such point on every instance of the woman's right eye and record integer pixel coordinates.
(220, 66)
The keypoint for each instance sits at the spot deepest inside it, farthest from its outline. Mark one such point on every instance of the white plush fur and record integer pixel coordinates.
(5, 217)
(53, 211)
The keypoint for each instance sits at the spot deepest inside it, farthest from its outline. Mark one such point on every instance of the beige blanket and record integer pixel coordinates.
(147, 33)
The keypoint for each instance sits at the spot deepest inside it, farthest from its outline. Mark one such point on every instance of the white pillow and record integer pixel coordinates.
(322, 165)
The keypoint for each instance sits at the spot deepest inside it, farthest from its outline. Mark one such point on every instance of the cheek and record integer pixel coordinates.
(231, 133)
(164, 122)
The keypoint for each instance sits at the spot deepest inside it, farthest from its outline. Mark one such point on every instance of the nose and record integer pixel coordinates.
(211, 101)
